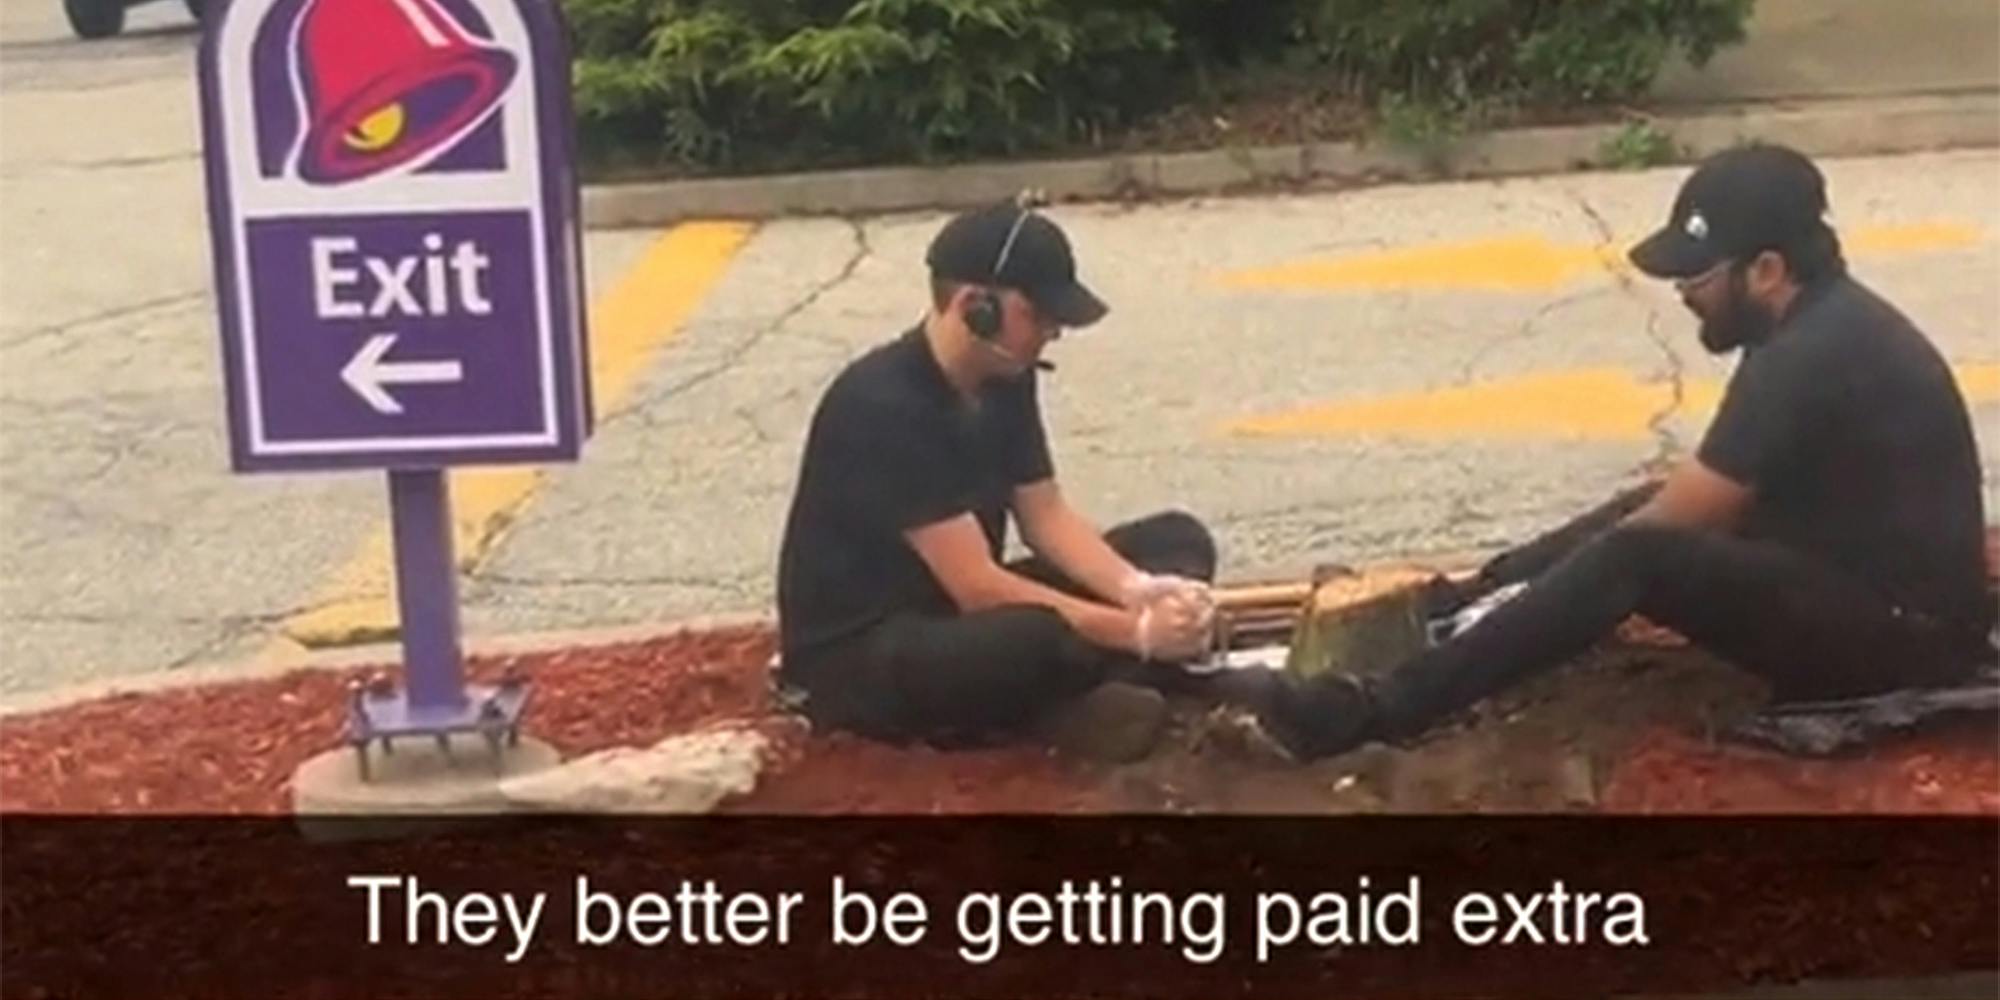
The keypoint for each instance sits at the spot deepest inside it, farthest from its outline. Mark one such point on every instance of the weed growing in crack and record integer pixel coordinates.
(1638, 145)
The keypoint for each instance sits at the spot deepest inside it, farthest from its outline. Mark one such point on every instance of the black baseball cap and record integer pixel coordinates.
(1736, 204)
(1039, 263)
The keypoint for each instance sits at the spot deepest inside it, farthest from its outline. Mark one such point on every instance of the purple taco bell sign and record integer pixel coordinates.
(394, 220)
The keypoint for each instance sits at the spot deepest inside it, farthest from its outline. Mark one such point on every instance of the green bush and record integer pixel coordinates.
(773, 84)
(735, 83)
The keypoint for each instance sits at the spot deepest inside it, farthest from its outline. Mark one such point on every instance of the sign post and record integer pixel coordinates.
(393, 211)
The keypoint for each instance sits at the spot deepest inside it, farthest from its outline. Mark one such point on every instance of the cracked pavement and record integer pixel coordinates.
(129, 545)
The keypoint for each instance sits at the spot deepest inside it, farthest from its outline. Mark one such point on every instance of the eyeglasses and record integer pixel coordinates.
(1685, 285)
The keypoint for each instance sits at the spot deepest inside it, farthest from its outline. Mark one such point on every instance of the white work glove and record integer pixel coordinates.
(1176, 616)
(1141, 589)
(1170, 636)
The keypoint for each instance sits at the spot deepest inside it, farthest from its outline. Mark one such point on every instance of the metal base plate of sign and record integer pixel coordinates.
(377, 715)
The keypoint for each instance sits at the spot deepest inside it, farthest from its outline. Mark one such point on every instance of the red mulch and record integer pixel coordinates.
(1954, 770)
(231, 748)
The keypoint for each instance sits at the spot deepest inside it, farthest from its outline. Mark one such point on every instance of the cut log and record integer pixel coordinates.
(1362, 624)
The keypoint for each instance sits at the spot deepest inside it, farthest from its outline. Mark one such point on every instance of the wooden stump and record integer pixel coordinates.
(1363, 623)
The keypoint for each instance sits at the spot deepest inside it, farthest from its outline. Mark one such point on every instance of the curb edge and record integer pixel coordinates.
(1840, 127)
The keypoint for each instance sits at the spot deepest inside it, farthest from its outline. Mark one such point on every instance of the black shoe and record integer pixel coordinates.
(1325, 716)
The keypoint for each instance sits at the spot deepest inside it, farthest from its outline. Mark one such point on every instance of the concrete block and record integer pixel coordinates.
(418, 779)
(1222, 169)
(1552, 149)
(1363, 161)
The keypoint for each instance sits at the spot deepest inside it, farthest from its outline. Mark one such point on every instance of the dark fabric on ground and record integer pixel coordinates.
(1826, 728)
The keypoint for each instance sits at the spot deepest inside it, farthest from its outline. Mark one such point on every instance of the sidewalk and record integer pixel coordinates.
(1833, 49)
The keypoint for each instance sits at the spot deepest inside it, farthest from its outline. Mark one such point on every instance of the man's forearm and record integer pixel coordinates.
(1077, 549)
(1103, 625)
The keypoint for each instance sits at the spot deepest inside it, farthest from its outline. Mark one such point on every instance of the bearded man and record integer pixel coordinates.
(1826, 535)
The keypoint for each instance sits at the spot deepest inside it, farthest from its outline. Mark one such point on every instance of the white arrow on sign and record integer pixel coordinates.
(366, 373)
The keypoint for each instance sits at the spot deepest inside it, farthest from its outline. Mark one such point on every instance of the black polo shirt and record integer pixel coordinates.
(893, 446)
(1849, 426)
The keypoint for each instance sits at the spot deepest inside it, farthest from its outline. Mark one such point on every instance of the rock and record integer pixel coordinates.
(682, 774)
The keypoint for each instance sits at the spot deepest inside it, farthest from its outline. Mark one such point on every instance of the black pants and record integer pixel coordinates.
(960, 679)
(1807, 627)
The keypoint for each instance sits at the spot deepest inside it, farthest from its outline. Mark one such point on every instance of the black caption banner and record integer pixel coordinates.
(983, 907)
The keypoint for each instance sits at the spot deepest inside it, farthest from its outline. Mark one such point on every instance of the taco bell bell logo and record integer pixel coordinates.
(392, 208)
(378, 84)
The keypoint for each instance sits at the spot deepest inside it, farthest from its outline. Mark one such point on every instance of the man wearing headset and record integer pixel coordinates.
(897, 618)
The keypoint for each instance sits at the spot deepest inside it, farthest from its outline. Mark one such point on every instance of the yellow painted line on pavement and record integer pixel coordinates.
(1979, 383)
(1530, 262)
(646, 307)
(1596, 404)
(1515, 262)
(1916, 237)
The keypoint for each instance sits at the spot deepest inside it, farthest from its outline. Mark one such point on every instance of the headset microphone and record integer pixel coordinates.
(1001, 349)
